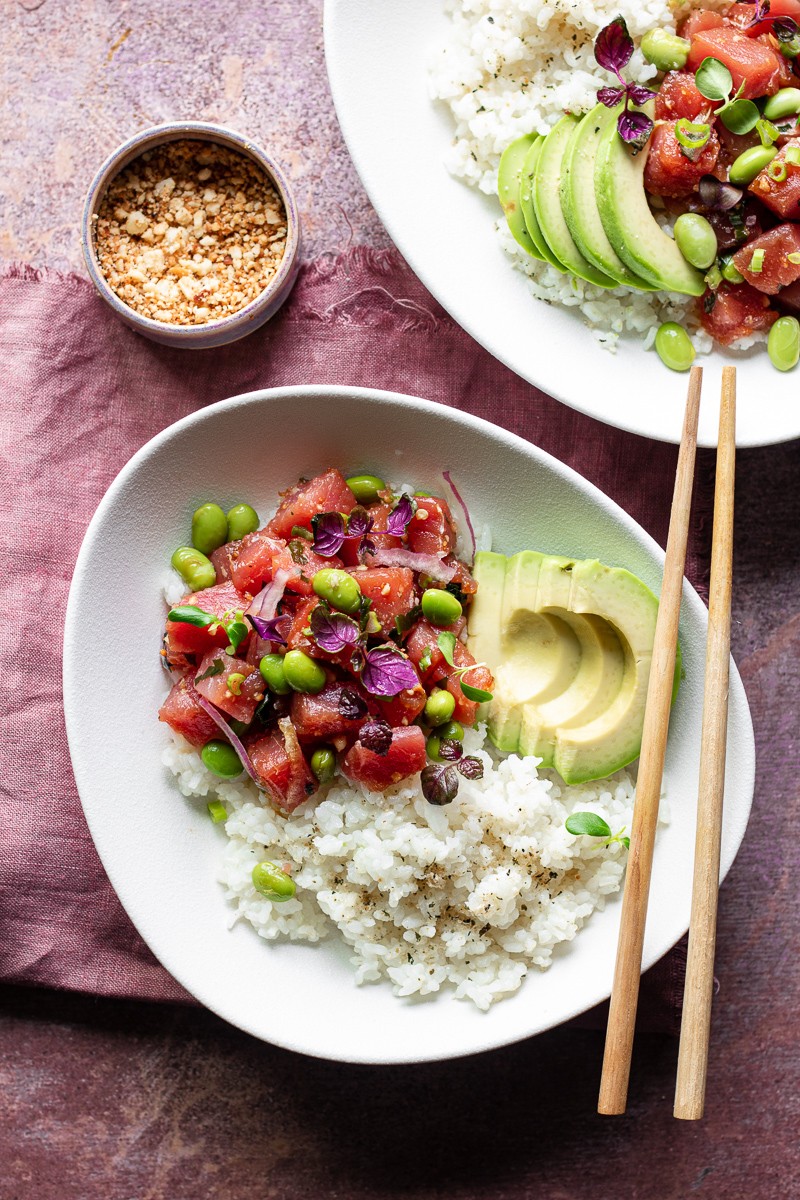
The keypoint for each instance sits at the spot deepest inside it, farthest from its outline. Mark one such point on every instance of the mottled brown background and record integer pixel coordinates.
(124, 1101)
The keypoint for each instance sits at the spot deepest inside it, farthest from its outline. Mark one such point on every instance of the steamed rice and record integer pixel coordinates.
(468, 896)
(512, 67)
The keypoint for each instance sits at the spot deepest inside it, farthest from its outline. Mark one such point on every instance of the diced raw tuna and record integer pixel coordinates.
(731, 145)
(431, 529)
(422, 648)
(281, 770)
(481, 677)
(215, 688)
(668, 172)
(405, 757)
(732, 234)
(319, 719)
(404, 708)
(462, 577)
(308, 563)
(183, 639)
(788, 299)
(752, 64)
(742, 16)
(182, 713)
(325, 493)
(699, 20)
(678, 96)
(391, 590)
(223, 557)
(772, 252)
(782, 196)
(738, 311)
(260, 555)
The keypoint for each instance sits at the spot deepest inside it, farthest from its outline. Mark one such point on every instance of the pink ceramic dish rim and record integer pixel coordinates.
(225, 329)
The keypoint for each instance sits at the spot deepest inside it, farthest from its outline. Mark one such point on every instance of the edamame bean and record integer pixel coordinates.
(338, 588)
(729, 271)
(745, 168)
(365, 488)
(209, 528)
(453, 729)
(272, 882)
(674, 347)
(696, 239)
(273, 674)
(440, 607)
(783, 344)
(439, 707)
(242, 519)
(323, 764)
(432, 747)
(665, 50)
(302, 673)
(196, 571)
(785, 103)
(222, 759)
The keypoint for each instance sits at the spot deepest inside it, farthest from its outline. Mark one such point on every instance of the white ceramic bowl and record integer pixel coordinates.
(378, 60)
(161, 851)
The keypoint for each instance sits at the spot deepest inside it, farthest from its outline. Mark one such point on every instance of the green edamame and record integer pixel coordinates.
(729, 271)
(338, 588)
(196, 571)
(785, 103)
(783, 344)
(365, 488)
(323, 764)
(273, 674)
(696, 239)
(674, 347)
(272, 882)
(209, 528)
(745, 168)
(222, 759)
(665, 50)
(242, 519)
(439, 707)
(432, 747)
(302, 673)
(440, 607)
(453, 729)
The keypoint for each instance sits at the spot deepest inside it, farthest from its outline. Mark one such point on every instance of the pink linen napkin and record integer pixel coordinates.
(79, 393)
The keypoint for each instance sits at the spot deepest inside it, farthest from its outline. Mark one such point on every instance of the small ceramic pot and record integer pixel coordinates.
(226, 329)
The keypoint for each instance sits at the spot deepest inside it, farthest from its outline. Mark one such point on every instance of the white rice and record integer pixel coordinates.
(512, 67)
(470, 895)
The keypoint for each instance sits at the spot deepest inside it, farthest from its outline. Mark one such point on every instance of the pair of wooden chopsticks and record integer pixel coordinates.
(696, 1022)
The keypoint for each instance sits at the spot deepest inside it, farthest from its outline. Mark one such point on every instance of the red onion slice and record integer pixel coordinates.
(464, 510)
(265, 604)
(428, 564)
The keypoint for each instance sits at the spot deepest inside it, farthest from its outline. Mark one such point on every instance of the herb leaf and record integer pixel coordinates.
(588, 823)
(470, 767)
(613, 46)
(450, 749)
(214, 669)
(271, 629)
(376, 735)
(386, 672)
(476, 694)
(439, 783)
(408, 619)
(329, 531)
(400, 516)
(447, 643)
(333, 631)
(351, 706)
(713, 79)
(237, 631)
(190, 614)
(634, 128)
(740, 116)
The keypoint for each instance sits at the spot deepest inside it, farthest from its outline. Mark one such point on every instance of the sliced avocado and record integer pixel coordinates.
(547, 203)
(630, 226)
(578, 201)
(508, 180)
(569, 643)
(529, 212)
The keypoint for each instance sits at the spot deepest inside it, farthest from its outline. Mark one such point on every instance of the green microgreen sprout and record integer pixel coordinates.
(714, 81)
(190, 614)
(591, 825)
(446, 642)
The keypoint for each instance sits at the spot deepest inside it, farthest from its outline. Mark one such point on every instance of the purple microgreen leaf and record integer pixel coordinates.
(400, 516)
(273, 629)
(376, 735)
(359, 523)
(450, 749)
(329, 533)
(439, 783)
(447, 644)
(367, 546)
(718, 195)
(471, 767)
(476, 694)
(386, 672)
(762, 8)
(611, 96)
(784, 28)
(613, 46)
(634, 128)
(351, 706)
(638, 94)
(333, 631)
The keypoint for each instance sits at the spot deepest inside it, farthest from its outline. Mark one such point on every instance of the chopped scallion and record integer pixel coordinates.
(777, 170)
(792, 155)
(217, 811)
(757, 262)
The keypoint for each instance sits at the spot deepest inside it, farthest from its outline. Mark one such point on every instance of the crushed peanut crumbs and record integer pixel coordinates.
(190, 232)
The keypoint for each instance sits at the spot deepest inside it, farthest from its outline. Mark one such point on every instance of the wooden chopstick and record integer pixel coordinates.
(690, 1087)
(625, 992)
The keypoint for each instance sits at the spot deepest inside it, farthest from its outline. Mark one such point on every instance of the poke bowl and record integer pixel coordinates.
(150, 820)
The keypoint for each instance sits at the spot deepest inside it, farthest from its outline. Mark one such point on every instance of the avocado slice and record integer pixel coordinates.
(508, 183)
(529, 212)
(579, 204)
(547, 203)
(570, 643)
(631, 228)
